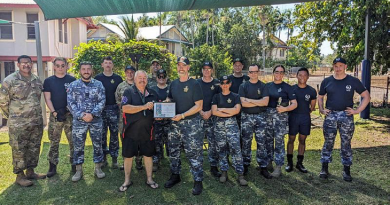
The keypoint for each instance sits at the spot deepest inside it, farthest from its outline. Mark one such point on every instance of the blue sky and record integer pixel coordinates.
(325, 47)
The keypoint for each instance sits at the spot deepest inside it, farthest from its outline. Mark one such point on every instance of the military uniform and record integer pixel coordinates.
(227, 134)
(118, 97)
(54, 133)
(152, 82)
(20, 103)
(86, 98)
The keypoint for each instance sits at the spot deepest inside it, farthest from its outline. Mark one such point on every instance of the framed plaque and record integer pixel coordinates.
(164, 110)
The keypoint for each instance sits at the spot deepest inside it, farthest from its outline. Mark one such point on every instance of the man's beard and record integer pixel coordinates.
(82, 76)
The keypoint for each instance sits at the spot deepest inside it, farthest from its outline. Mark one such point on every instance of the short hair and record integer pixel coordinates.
(254, 64)
(60, 59)
(85, 63)
(138, 72)
(108, 58)
(24, 56)
(277, 66)
(303, 69)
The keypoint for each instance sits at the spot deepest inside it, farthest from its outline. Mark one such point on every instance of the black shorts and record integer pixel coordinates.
(131, 148)
(299, 123)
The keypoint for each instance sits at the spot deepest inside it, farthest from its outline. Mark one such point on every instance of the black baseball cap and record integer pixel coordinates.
(207, 63)
(129, 67)
(339, 60)
(161, 72)
(224, 77)
(238, 60)
(184, 60)
(155, 60)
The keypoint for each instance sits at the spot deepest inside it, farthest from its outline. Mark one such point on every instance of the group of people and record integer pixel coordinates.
(229, 112)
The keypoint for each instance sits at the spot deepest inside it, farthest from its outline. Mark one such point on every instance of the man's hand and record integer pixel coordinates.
(177, 117)
(149, 106)
(205, 115)
(351, 111)
(87, 117)
(325, 111)
(281, 109)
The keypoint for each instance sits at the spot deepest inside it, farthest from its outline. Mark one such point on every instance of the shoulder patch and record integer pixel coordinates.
(124, 99)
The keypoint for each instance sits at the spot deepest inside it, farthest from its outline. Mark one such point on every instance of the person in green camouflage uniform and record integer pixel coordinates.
(20, 97)
(154, 67)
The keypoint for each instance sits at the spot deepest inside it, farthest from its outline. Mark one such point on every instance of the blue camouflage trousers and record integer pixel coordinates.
(208, 126)
(187, 134)
(277, 128)
(338, 120)
(110, 117)
(227, 137)
(254, 123)
(79, 134)
(161, 129)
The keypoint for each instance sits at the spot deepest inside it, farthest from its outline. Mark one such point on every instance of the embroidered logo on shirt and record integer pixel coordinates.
(212, 87)
(279, 90)
(112, 81)
(186, 89)
(307, 97)
(124, 100)
(258, 91)
(348, 88)
(228, 100)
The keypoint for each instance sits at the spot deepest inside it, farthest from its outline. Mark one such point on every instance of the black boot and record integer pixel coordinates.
(324, 171)
(173, 180)
(347, 173)
(214, 171)
(265, 173)
(73, 167)
(198, 187)
(290, 163)
(52, 170)
(299, 165)
(138, 163)
(246, 169)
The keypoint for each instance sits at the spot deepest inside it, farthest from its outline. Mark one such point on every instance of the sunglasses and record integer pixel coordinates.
(225, 83)
(253, 72)
(279, 72)
(60, 66)
(161, 77)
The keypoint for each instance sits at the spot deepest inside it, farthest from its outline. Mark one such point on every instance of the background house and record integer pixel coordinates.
(58, 37)
(276, 51)
(170, 35)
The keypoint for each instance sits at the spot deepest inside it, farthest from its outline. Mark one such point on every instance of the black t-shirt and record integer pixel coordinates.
(283, 91)
(162, 93)
(226, 101)
(236, 82)
(185, 94)
(254, 91)
(209, 90)
(304, 97)
(139, 125)
(57, 88)
(110, 83)
(340, 92)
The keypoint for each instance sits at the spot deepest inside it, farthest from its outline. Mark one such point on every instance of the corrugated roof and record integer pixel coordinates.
(153, 32)
(17, 2)
(113, 28)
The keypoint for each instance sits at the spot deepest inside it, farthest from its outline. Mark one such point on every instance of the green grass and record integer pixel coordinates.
(371, 184)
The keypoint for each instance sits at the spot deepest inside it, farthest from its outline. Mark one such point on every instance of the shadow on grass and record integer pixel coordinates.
(2, 143)
(370, 184)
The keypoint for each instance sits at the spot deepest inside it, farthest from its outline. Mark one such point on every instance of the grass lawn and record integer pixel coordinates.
(371, 183)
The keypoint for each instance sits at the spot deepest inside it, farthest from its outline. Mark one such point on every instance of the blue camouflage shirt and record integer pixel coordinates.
(86, 98)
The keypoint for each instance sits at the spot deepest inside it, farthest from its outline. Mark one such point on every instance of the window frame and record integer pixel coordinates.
(6, 25)
(31, 26)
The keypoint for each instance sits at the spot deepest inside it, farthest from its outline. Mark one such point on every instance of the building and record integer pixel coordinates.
(277, 50)
(172, 38)
(58, 37)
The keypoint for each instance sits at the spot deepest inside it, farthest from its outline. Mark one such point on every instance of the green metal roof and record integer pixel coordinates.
(57, 9)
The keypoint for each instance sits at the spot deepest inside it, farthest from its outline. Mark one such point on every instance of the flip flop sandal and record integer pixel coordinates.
(153, 185)
(124, 188)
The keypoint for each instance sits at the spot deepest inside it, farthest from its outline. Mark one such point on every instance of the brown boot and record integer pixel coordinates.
(241, 180)
(22, 180)
(32, 175)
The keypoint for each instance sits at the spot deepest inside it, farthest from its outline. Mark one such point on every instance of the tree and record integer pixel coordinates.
(128, 27)
(343, 22)
(102, 19)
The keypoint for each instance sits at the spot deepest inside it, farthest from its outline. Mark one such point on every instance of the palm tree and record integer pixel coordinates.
(128, 27)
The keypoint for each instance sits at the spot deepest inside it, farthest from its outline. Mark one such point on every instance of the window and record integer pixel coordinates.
(31, 28)
(6, 29)
(60, 37)
(9, 67)
(66, 32)
(281, 53)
